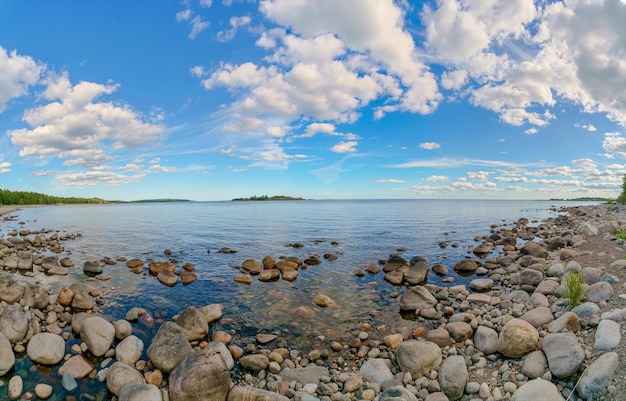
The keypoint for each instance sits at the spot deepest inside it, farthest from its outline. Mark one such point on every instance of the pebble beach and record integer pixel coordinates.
(509, 334)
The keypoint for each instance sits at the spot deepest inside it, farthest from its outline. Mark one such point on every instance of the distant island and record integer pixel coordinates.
(158, 200)
(267, 198)
(585, 199)
(19, 198)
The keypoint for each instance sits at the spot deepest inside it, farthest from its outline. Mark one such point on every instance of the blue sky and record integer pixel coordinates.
(211, 100)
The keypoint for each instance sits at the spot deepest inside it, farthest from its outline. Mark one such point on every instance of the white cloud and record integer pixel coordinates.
(235, 23)
(390, 181)
(197, 26)
(454, 79)
(510, 179)
(96, 178)
(183, 15)
(345, 147)
(17, 73)
(478, 175)
(429, 145)
(588, 127)
(531, 131)
(614, 144)
(436, 178)
(5, 167)
(319, 128)
(74, 127)
(206, 3)
(197, 71)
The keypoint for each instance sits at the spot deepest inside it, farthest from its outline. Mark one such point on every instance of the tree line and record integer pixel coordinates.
(8, 197)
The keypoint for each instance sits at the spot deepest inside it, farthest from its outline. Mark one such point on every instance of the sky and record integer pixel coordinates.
(325, 99)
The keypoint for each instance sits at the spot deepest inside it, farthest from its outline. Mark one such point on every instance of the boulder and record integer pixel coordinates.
(221, 348)
(517, 338)
(417, 297)
(587, 229)
(538, 316)
(376, 370)
(82, 300)
(536, 390)
(417, 271)
(481, 284)
(129, 350)
(92, 268)
(140, 392)
(7, 357)
(453, 377)
(251, 265)
(193, 323)
(46, 348)
(169, 347)
(212, 313)
(123, 329)
(77, 367)
(530, 277)
(254, 362)
(36, 296)
(418, 357)
(535, 365)
(599, 292)
(167, 277)
(98, 334)
(564, 354)
(599, 376)
(460, 331)
(534, 249)
(13, 323)
(608, 335)
(202, 375)
(120, 375)
(486, 340)
(466, 266)
(566, 322)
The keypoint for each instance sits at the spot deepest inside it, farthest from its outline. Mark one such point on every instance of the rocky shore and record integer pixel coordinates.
(510, 335)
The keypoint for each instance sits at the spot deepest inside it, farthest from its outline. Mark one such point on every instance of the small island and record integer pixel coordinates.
(267, 198)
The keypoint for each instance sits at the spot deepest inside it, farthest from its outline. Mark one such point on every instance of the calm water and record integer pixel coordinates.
(366, 231)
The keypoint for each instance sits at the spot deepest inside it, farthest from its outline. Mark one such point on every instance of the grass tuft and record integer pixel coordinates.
(574, 290)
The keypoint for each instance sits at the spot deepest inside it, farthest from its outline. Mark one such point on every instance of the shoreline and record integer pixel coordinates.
(348, 364)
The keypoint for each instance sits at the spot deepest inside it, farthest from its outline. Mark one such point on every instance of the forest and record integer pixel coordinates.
(8, 197)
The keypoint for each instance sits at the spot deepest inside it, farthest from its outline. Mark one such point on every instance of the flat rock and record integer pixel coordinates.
(599, 292)
(77, 367)
(608, 335)
(481, 284)
(311, 374)
(599, 376)
(538, 316)
(240, 393)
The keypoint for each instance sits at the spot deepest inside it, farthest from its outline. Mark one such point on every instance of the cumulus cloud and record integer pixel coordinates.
(521, 58)
(5, 167)
(345, 147)
(436, 178)
(429, 145)
(614, 144)
(17, 74)
(75, 127)
(235, 23)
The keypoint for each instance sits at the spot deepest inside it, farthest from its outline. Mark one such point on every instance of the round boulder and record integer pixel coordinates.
(418, 357)
(201, 376)
(98, 334)
(46, 348)
(517, 338)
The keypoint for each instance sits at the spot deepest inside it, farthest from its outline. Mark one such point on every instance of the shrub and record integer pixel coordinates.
(574, 290)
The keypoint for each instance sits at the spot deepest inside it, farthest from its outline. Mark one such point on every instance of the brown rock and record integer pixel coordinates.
(157, 267)
(167, 277)
(243, 279)
(517, 338)
(289, 274)
(188, 277)
(304, 312)
(155, 377)
(77, 366)
(269, 275)
(460, 331)
(323, 300)
(133, 263)
(268, 262)
(466, 265)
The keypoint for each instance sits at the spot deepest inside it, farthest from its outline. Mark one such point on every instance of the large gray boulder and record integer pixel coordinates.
(486, 340)
(535, 365)
(537, 390)
(599, 376)
(46, 348)
(201, 376)
(599, 292)
(7, 357)
(194, 323)
(129, 350)
(311, 374)
(36, 296)
(13, 323)
(169, 347)
(418, 271)
(376, 370)
(417, 297)
(418, 357)
(120, 375)
(453, 377)
(608, 335)
(564, 353)
(98, 334)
